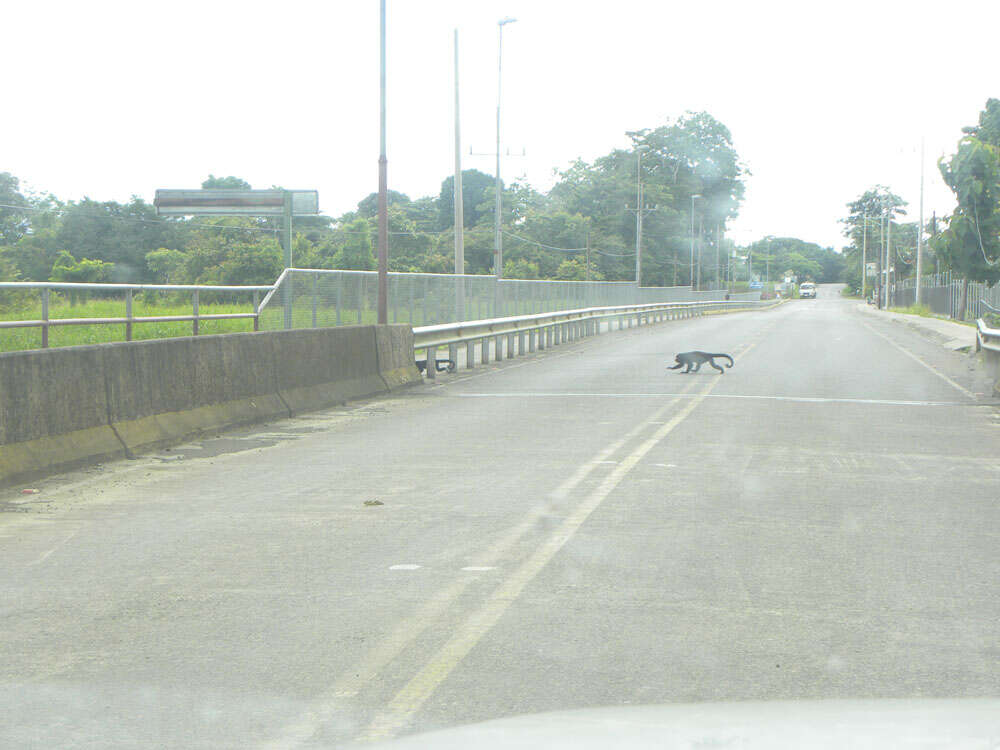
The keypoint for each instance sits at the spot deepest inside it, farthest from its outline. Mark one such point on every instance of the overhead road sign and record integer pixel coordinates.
(235, 202)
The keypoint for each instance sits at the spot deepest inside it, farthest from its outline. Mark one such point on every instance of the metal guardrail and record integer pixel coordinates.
(987, 338)
(45, 322)
(529, 333)
(989, 307)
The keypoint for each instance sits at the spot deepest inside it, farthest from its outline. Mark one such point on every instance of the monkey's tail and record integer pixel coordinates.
(731, 363)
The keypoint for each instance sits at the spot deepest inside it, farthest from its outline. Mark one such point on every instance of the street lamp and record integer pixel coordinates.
(497, 239)
(696, 195)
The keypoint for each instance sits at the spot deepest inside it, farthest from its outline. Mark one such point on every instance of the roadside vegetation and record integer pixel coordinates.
(967, 243)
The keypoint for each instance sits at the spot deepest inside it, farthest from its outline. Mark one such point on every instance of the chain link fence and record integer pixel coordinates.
(304, 298)
(942, 293)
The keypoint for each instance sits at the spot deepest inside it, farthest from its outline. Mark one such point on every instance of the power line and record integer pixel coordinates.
(547, 247)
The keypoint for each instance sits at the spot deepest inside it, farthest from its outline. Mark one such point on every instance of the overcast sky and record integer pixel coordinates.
(824, 99)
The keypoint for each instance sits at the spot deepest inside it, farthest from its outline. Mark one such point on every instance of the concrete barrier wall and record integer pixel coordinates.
(69, 406)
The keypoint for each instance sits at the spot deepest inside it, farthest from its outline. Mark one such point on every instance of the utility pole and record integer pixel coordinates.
(691, 275)
(700, 249)
(864, 256)
(459, 208)
(638, 218)
(497, 237)
(878, 263)
(920, 228)
(888, 258)
(588, 249)
(718, 246)
(639, 209)
(383, 209)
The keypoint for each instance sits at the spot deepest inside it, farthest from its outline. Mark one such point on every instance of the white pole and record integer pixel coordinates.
(383, 209)
(459, 208)
(497, 237)
(864, 256)
(638, 219)
(920, 228)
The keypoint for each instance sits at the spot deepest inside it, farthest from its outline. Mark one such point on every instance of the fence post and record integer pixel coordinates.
(194, 305)
(256, 310)
(361, 295)
(340, 286)
(128, 314)
(470, 355)
(315, 296)
(431, 362)
(45, 318)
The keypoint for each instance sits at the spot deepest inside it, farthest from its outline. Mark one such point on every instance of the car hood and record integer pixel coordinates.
(910, 724)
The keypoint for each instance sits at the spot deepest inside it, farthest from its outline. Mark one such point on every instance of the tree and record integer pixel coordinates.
(356, 252)
(970, 245)
(84, 271)
(474, 187)
(368, 206)
(13, 210)
(224, 183)
(167, 266)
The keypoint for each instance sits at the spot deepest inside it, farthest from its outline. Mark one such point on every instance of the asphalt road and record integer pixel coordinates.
(577, 528)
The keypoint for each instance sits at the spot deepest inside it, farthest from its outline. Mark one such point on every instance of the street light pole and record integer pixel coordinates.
(459, 208)
(383, 209)
(920, 228)
(497, 238)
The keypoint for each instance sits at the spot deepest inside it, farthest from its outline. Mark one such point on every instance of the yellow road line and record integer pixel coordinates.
(325, 707)
(416, 692)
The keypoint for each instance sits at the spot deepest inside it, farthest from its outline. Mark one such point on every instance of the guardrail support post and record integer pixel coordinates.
(128, 314)
(470, 355)
(453, 353)
(485, 351)
(194, 307)
(432, 355)
(45, 319)
(510, 345)
(532, 340)
(256, 310)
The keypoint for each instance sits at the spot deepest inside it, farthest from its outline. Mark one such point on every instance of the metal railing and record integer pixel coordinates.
(942, 293)
(128, 292)
(987, 338)
(311, 298)
(305, 298)
(529, 333)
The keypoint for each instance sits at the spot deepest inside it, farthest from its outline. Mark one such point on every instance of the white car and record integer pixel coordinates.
(807, 290)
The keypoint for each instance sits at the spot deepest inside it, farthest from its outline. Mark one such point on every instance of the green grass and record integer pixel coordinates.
(925, 312)
(17, 339)
(922, 310)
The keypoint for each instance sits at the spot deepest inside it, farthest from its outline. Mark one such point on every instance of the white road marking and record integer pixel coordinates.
(404, 567)
(800, 399)
(480, 567)
(919, 361)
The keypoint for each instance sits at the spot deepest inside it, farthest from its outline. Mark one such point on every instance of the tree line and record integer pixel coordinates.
(583, 228)
(967, 242)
